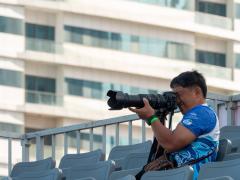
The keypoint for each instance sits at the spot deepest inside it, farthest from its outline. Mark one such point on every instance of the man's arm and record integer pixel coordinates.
(169, 140)
(172, 140)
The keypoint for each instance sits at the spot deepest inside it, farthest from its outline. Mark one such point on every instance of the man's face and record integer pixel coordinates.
(185, 97)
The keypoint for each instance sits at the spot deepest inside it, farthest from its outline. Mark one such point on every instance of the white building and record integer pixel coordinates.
(59, 58)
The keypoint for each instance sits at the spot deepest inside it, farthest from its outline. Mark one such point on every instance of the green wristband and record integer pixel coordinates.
(152, 119)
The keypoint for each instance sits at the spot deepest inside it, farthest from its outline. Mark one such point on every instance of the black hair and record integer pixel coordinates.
(190, 79)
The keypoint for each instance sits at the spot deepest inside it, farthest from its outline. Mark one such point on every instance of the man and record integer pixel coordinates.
(196, 136)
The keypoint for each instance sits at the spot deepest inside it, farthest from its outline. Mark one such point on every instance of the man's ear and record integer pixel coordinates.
(198, 91)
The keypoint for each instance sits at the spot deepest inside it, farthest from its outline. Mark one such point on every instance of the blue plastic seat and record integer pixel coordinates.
(183, 173)
(53, 174)
(70, 160)
(223, 168)
(35, 166)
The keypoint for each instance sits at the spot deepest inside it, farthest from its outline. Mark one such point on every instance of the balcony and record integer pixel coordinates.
(213, 20)
(42, 45)
(38, 97)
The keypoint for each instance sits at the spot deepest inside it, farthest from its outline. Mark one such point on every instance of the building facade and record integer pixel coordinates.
(59, 58)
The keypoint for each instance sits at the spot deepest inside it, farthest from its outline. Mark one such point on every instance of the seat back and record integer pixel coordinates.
(229, 132)
(224, 148)
(220, 178)
(70, 160)
(100, 170)
(222, 168)
(128, 177)
(35, 166)
(184, 173)
(231, 156)
(135, 160)
(119, 153)
(53, 174)
(119, 174)
(235, 145)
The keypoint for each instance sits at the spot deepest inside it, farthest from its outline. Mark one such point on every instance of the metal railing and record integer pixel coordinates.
(231, 105)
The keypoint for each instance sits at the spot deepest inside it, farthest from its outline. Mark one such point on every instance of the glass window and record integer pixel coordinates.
(211, 8)
(41, 90)
(213, 58)
(237, 10)
(11, 25)
(237, 61)
(98, 90)
(8, 127)
(11, 78)
(44, 84)
(178, 4)
(40, 31)
(128, 43)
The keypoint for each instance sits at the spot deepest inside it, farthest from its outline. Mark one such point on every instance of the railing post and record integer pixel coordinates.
(65, 143)
(130, 132)
(25, 149)
(39, 148)
(53, 146)
(91, 139)
(104, 139)
(117, 134)
(143, 131)
(9, 156)
(231, 107)
(78, 139)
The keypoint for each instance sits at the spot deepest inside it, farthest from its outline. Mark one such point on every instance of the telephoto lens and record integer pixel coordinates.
(119, 100)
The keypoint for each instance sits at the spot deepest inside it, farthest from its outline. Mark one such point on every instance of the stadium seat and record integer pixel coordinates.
(235, 145)
(128, 177)
(231, 156)
(70, 160)
(35, 166)
(223, 168)
(221, 178)
(120, 174)
(183, 173)
(135, 160)
(224, 148)
(86, 178)
(53, 174)
(100, 171)
(118, 153)
(229, 132)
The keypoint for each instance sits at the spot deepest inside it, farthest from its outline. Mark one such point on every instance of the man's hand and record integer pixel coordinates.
(144, 113)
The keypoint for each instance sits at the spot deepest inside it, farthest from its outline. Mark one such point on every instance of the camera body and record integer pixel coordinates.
(165, 102)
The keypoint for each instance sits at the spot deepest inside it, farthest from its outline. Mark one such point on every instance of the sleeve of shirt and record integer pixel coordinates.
(199, 121)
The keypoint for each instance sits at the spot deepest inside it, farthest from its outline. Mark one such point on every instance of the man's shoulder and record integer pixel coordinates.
(201, 112)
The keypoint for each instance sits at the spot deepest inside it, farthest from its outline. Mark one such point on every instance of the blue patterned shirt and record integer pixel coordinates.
(202, 121)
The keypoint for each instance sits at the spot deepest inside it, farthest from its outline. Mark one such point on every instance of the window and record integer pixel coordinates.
(11, 25)
(11, 78)
(237, 61)
(128, 43)
(40, 31)
(213, 58)
(178, 4)
(211, 8)
(40, 38)
(40, 90)
(237, 11)
(98, 90)
(16, 128)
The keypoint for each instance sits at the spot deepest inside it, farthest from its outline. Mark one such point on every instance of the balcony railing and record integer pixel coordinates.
(213, 20)
(43, 45)
(38, 97)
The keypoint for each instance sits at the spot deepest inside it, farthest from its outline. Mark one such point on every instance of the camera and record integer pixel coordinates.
(164, 102)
